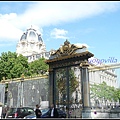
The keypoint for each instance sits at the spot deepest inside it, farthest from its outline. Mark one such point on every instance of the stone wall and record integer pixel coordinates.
(109, 113)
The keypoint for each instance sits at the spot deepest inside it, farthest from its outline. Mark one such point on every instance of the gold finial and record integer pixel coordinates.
(66, 42)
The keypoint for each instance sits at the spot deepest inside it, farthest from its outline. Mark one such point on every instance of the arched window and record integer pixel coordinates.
(23, 37)
(32, 35)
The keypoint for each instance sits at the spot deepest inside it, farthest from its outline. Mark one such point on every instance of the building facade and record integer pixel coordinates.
(109, 75)
(31, 45)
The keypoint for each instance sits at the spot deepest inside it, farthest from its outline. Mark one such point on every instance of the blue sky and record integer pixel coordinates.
(94, 24)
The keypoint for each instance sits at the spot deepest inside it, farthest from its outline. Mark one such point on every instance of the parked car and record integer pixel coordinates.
(33, 116)
(61, 114)
(45, 114)
(19, 112)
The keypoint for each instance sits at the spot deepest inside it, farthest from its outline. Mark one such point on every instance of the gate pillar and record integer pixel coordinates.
(85, 88)
(51, 89)
(63, 59)
(85, 84)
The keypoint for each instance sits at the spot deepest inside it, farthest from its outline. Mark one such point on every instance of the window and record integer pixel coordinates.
(31, 45)
(23, 45)
(21, 110)
(30, 110)
(24, 110)
(33, 57)
(37, 56)
(32, 34)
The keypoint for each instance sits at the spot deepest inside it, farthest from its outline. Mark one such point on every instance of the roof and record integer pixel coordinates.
(70, 57)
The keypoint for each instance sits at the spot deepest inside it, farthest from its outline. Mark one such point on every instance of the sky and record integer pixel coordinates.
(95, 24)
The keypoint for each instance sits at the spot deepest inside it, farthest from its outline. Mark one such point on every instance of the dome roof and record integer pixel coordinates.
(31, 35)
(23, 36)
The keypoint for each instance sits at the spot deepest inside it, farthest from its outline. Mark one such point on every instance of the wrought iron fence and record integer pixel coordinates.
(28, 92)
(2, 93)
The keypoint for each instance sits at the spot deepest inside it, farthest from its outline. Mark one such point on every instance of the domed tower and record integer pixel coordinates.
(30, 43)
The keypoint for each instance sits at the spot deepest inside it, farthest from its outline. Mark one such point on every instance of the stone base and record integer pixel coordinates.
(86, 113)
(101, 113)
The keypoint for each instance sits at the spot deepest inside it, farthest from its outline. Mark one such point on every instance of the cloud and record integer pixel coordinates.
(80, 44)
(59, 33)
(45, 13)
(51, 13)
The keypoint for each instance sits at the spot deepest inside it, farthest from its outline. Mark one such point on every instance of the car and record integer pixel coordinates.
(44, 110)
(33, 116)
(61, 113)
(46, 113)
(19, 112)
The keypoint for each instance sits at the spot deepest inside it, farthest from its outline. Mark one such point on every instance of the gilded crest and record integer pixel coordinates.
(67, 49)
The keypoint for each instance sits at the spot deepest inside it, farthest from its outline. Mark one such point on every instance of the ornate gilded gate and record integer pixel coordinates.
(68, 87)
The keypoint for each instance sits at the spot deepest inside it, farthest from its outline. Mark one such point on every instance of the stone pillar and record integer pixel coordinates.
(85, 89)
(68, 91)
(51, 77)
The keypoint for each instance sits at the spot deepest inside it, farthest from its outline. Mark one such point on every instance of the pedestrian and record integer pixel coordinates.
(38, 111)
(4, 111)
(53, 112)
(7, 110)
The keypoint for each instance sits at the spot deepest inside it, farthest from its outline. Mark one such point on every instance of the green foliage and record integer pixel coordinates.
(118, 94)
(7, 62)
(102, 90)
(13, 66)
(38, 66)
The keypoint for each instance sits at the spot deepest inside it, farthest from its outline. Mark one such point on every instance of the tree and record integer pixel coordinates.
(38, 66)
(20, 66)
(11, 65)
(104, 92)
(117, 94)
(6, 63)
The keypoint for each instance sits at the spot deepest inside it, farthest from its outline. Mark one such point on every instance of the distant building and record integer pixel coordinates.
(109, 76)
(32, 45)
